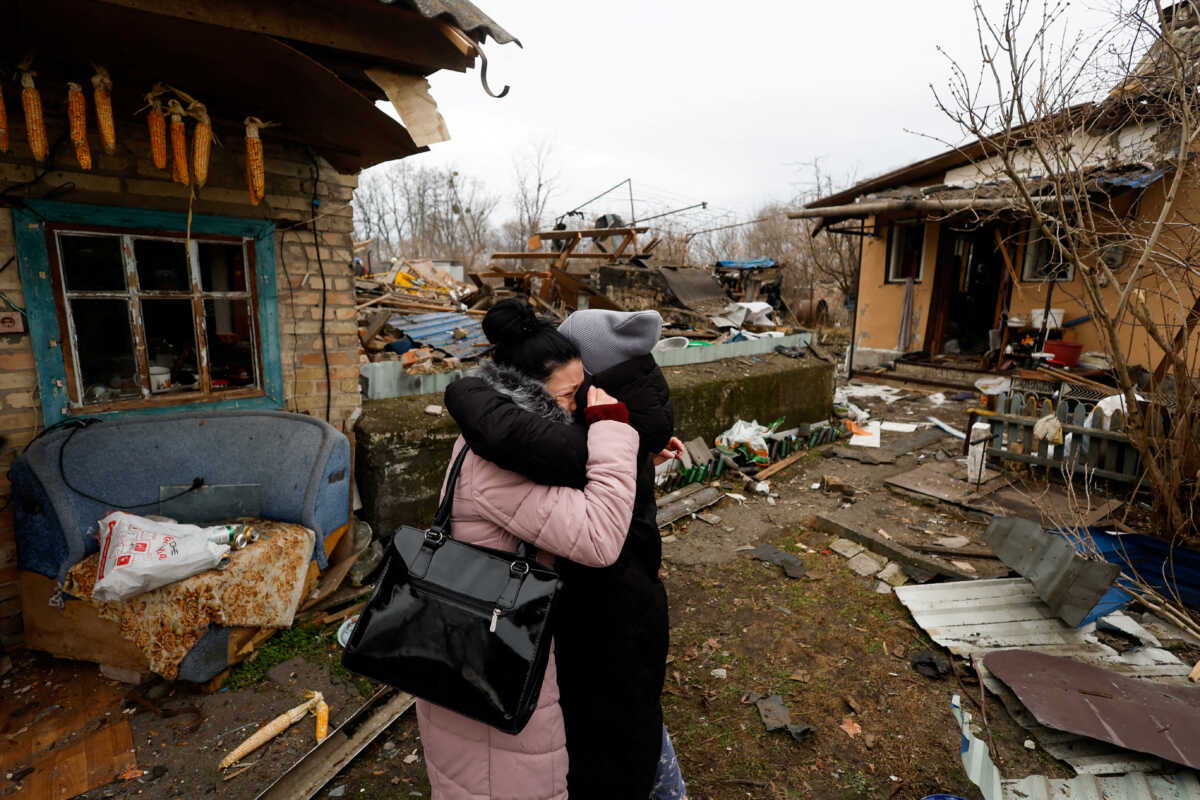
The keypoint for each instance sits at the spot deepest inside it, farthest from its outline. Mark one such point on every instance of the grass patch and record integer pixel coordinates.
(311, 642)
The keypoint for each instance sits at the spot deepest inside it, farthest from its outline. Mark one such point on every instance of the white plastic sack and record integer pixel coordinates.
(139, 554)
(751, 435)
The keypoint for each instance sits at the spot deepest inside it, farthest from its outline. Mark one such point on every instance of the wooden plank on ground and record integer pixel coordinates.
(76, 631)
(94, 760)
(779, 466)
(330, 582)
(311, 773)
(905, 557)
(696, 501)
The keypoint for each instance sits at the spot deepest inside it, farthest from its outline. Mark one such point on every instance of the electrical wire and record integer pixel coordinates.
(76, 425)
(316, 203)
(292, 305)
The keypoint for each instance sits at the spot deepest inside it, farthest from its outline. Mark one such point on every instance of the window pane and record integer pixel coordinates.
(162, 265)
(230, 343)
(171, 340)
(222, 267)
(104, 349)
(907, 242)
(92, 263)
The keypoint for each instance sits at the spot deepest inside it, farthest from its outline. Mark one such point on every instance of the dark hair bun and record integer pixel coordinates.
(510, 322)
(525, 341)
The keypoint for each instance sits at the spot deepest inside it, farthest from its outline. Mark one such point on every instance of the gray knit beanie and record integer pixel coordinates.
(607, 338)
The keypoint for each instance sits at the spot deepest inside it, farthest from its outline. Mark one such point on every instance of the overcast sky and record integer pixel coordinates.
(700, 100)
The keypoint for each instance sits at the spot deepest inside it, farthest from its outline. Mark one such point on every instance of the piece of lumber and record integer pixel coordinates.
(1194, 675)
(694, 502)
(679, 494)
(591, 233)
(968, 552)
(375, 325)
(338, 616)
(330, 582)
(910, 559)
(547, 255)
(306, 778)
(92, 760)
(76, 631)
(779, 466)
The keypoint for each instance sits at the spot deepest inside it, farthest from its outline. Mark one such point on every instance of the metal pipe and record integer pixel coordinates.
(872, 207)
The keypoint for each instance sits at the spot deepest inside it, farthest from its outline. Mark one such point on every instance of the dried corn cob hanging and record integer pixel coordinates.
(179, 157)
(77, 119)
(201, 142)
(256, 179)
(35, 125)
(3, 124)
(102, 97)
(156, 123)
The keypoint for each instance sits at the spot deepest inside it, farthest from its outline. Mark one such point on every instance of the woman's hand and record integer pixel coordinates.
(598, 397)
(673, 450)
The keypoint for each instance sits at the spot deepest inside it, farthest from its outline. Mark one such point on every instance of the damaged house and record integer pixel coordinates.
(179, 331)
(954, 273)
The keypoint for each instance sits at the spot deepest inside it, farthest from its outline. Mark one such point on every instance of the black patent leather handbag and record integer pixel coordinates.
(462, 626)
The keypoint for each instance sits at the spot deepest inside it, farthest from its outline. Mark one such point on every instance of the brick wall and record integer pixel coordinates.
(130, 179)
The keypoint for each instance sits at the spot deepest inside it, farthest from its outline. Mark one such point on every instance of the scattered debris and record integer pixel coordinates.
(720, 673)
(1133, 713)
(272, 729)
(851, 727)
(1066, 581)
(776, 716)
(918, 566)
(866, 563)
(434, 411)
(686, 501)
(793, 567)
(931, 664)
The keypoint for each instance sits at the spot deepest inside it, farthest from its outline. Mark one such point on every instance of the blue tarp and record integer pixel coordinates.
(1171, 573)
(746, 263)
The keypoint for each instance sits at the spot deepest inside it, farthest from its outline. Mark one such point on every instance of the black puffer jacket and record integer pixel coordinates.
(611, 636)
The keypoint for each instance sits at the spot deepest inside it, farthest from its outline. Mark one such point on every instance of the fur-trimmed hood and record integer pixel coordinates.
(527, 393)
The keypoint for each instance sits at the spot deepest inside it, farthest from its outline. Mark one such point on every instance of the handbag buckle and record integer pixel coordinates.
(518, 569)
(434, 538)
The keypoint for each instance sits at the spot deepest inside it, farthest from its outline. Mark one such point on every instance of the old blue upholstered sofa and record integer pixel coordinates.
(295, 468)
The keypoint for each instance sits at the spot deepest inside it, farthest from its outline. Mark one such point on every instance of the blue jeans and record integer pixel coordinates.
(668, 784)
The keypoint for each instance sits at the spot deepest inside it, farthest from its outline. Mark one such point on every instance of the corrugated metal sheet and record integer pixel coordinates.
(979, 767)
(746, 263)
(465, 15)
(971, 618)
(437, 330)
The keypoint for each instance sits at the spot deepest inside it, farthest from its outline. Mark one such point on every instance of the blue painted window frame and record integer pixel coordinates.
(33, 262)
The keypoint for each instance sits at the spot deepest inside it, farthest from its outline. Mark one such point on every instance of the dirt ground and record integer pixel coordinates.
(834, 649)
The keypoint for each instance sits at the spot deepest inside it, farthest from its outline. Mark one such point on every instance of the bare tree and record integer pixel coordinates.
(422, 212)
(1055, 114)
(830, 257)
(537, 181)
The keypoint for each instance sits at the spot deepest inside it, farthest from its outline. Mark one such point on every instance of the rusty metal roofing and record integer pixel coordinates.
(437, 330)
(979, 767)
(1140, 715)
(466, 16)
(972, 618)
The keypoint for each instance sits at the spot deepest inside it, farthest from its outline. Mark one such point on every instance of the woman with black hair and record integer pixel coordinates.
(539, 371)
(612, 629)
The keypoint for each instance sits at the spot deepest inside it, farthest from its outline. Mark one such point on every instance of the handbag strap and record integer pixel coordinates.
(439, 528)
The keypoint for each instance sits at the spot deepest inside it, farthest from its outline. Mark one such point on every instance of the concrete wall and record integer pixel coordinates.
(129, 179)
(403, 452)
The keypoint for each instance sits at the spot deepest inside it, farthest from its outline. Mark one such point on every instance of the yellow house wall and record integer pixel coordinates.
(880, 304)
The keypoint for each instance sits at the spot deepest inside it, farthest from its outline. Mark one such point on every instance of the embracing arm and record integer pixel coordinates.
(589, 525)
(545, 451)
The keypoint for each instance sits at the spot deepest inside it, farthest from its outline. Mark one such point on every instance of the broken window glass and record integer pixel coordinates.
(155, 318)
(104, 350)
(906, 250)
(230, 338)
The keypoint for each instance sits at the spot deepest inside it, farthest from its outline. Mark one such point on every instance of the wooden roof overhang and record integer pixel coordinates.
(301, 64)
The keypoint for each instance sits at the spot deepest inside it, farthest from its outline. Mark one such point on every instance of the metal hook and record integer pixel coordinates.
(483, 76)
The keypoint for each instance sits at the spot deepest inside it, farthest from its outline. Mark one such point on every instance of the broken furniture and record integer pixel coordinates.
(269, 464)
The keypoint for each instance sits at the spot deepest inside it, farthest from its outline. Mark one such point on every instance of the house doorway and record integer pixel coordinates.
(969, 285)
